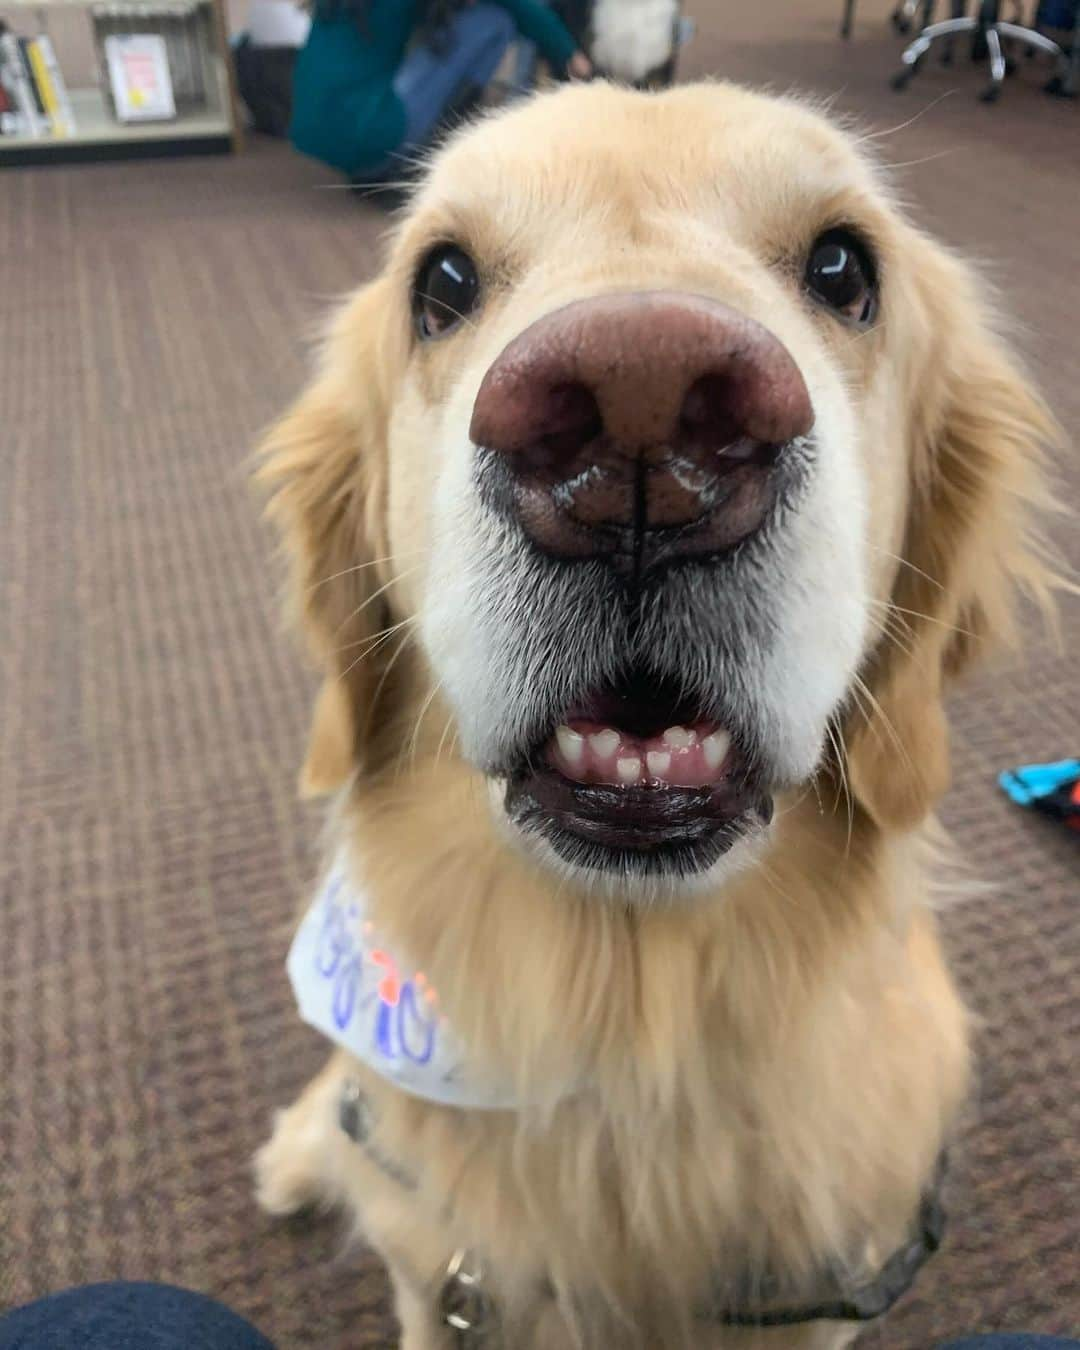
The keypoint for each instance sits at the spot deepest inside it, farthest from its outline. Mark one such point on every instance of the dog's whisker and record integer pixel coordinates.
(414, 741)
(926, 159)
(357, 189)
(364, 655)
(413, 161)
(879, 713)
(361, 567)
(836, 740)
(918, 614)
(371, 638)
(904, 562)
(901, 561)
(815, 785)
(379, 640)
(877, 328)
(364, 190)
(442, 739)
(897, 631)
(410, 633)
(903, 126)
(350, 618)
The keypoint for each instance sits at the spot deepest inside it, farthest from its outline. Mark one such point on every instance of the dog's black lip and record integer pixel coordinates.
(646, 828)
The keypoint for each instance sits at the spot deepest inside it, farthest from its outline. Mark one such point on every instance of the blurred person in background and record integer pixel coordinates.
(377, 78)
(264, 55)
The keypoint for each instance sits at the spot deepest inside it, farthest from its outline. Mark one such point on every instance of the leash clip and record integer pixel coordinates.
(464, 1307)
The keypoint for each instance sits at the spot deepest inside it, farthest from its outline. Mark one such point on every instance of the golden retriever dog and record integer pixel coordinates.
(640, 514)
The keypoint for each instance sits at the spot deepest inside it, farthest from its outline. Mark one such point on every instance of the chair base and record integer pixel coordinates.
(991, 33)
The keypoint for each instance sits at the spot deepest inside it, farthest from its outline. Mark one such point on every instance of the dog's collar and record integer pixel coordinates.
(370, 999)
(839, 1298)
(466, 1307)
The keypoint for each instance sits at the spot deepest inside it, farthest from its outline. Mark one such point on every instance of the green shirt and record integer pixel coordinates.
(345, 111)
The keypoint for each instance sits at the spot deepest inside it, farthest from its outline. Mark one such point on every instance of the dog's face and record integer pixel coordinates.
(686, 455)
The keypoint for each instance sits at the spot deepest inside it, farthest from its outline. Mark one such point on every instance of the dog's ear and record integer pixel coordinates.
(978, 432)
(332, 749)
(324, 465)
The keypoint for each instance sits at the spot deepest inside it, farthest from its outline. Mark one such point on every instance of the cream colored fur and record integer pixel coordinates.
(757, 1076)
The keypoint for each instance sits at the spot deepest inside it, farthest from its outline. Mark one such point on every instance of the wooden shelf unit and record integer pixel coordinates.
(214, 129)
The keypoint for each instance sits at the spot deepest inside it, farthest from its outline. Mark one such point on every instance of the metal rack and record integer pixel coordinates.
(206, 119)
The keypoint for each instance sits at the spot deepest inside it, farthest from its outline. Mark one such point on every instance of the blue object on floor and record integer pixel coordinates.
(1027, 784)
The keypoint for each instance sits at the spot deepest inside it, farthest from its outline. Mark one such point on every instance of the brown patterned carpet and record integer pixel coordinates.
(151, 716)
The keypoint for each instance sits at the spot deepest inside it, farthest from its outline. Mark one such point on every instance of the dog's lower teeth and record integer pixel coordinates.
(659, 762)
(685, 757)
(715, 748)
(679, 738)
(604, 743)
(629, 770)
(571, 746)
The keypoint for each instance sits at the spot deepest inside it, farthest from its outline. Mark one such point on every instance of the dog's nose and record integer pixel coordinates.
(642, 426)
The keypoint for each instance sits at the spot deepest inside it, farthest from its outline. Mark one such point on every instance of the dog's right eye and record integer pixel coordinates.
(840, 273)
(445, 290)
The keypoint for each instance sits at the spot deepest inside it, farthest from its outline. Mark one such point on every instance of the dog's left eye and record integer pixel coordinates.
(445, 290)
(840, 273)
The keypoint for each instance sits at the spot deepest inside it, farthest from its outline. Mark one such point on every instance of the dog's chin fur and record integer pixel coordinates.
(752, 1069)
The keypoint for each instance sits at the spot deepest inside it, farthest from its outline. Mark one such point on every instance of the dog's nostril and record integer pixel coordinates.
(568, 421)
(573, 419)
(709, 419)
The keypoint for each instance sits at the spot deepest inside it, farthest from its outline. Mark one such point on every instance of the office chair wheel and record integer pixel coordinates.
(1058, 88)
(900, 80)
(990, 94)
(900, 21)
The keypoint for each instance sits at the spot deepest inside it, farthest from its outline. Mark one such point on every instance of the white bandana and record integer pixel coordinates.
(349, 986)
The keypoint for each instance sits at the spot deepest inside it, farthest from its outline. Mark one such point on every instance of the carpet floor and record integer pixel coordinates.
(151, 715)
